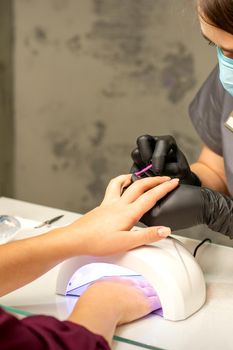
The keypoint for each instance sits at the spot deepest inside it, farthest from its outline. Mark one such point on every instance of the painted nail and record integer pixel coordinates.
(164, 231)
(175, 180)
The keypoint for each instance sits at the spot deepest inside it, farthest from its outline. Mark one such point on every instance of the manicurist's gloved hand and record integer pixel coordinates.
(188, 206)
(165, 158)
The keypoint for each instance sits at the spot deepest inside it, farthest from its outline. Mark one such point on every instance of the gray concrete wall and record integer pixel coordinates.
(92, 75)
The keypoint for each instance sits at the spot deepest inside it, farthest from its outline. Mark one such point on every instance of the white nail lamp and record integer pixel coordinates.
(167, 265)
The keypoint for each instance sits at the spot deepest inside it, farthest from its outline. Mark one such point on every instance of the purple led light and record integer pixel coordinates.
(88, 274)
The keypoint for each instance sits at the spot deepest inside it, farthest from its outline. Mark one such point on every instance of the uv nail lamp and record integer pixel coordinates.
(167, 265)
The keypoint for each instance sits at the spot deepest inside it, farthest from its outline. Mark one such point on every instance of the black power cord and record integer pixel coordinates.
(200, 244)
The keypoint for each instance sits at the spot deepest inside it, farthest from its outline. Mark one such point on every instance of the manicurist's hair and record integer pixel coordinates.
(218, 13)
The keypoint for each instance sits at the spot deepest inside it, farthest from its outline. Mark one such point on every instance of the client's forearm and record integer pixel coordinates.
(24, 260)
(97, 316)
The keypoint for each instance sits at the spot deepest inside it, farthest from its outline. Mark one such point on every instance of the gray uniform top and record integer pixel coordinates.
(209, 111)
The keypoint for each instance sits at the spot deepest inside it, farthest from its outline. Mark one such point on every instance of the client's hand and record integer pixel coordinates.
(106, 229)
(113, 301)
(103, 231)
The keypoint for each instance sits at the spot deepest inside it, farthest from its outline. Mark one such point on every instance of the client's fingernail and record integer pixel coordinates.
(175, 180)
(164, 231)
(166, 177)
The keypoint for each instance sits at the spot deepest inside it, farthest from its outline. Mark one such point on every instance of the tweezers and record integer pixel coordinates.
(49, 222)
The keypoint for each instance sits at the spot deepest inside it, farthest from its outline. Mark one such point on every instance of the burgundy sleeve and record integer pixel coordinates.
(46, 333)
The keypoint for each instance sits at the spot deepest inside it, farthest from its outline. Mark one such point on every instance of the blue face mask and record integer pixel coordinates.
(225, 71)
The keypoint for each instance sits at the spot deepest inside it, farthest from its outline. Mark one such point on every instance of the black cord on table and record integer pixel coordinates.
(200, 244)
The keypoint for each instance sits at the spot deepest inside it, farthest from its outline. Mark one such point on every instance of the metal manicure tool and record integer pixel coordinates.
(49, 222)
(138, 173)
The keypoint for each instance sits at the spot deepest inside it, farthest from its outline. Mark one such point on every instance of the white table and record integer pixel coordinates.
(210, 328)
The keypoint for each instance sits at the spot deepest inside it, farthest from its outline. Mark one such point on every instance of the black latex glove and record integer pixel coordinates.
(189, 206)
(166, 159)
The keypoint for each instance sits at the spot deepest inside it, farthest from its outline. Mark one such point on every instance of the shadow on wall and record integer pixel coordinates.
(122, 35)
